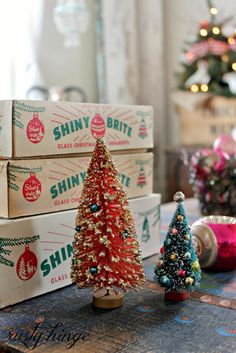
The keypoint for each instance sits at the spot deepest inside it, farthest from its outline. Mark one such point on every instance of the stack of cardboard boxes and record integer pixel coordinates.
(45, 149)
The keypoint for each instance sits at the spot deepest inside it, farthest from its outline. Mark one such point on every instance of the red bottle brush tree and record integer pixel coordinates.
(106, 252)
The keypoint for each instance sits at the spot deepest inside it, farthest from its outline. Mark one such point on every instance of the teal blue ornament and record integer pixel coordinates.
(168, 242)
(165, 281)
(77, 229)
(94, 207)
(93, 270)
(125, 234)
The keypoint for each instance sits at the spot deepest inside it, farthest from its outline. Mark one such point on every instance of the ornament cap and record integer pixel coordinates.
(179, 196)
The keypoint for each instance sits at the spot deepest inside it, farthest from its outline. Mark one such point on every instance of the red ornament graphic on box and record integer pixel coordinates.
(141, 178)
(143, 129)
(26, 265)
(98, 127)
(35, 129)
(31, 188)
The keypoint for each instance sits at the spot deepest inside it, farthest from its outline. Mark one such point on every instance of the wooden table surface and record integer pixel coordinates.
(65, 320)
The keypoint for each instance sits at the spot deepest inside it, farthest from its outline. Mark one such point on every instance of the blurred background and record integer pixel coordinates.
(113, 51)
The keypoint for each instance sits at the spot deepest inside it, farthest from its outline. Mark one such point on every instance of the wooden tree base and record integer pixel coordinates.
(103, 300)
(177, 296)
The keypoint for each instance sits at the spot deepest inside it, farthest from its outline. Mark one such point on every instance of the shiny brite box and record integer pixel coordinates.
(35, 252)
(36, 186)
(38, 128)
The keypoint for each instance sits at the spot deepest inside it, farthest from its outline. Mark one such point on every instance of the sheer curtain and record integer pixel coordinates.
(131, 62)
(18, 24)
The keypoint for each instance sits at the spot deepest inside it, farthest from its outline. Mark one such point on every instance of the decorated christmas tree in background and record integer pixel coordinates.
(209, 62)
(178, 269)
(106, 252)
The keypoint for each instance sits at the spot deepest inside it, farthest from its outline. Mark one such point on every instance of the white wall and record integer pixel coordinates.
(181, 20)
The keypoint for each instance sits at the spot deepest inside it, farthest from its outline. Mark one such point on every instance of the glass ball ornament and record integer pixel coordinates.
(179, 196)
(77, 229)
(173, 257)
(165, 281)
(71, 17)
(189, 281)
(182, 273)
(93, 270)
(187, 237)
(94, 207)
(180, 218)
(187, 255)
(195, 266)
(125, 234)
(162, 250)
(174, 231)
(168, 242)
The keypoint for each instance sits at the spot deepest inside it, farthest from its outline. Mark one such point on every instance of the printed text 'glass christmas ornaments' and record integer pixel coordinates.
(178, 269)
(105, 250)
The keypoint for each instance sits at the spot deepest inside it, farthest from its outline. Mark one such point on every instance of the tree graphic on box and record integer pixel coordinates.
(22, 269)
(141, 178)
(143, 129)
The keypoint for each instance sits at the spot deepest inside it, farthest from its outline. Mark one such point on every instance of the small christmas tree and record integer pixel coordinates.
(178, 269)
(106, 252)
(209, 62)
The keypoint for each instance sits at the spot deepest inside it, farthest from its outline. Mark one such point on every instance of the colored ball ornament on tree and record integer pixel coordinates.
(168, 242)
(165, 281)
(162, 250)
(181, 273)
(26, 265)
(189, 281)
(93, 270)
(98, 127)
(94, 207)
(187, 237)
(179, 196)
(35, 129)
(77, 228)
(180, 218)
(174, 231)
(195, 266)
(187, 255)
(173, 257)
(125, 234)
(32, 188)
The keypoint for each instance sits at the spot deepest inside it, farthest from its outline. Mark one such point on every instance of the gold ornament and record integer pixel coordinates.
(187, 237)
(180, 218)
(189, 281)
(173, 257)
(195, 266)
